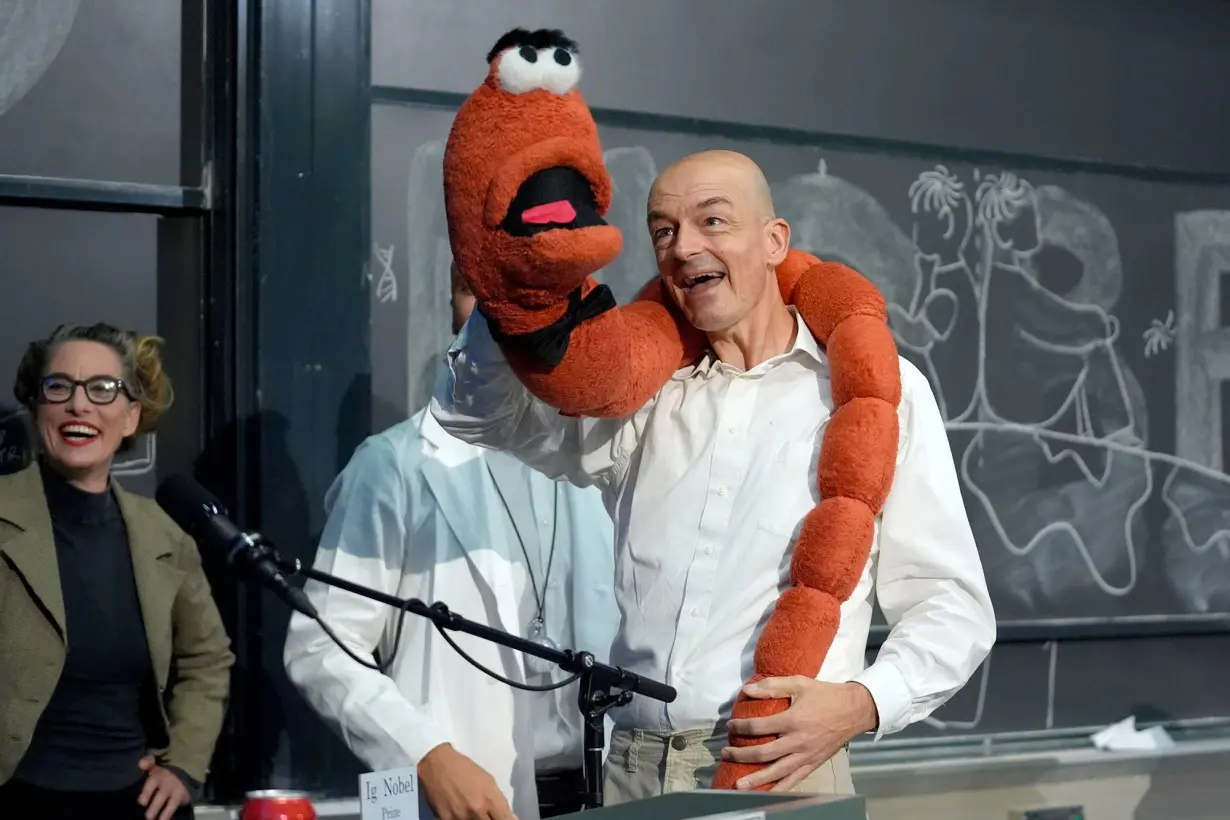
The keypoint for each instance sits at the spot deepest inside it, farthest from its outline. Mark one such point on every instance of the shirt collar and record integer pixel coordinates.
(805, 349)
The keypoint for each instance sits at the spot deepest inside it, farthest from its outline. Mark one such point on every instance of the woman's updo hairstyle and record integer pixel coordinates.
(141, 356)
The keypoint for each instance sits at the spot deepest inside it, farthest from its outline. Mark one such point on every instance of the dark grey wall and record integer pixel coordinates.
(1133, 81)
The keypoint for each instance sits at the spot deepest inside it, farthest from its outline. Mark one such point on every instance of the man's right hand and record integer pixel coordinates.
(457, 788)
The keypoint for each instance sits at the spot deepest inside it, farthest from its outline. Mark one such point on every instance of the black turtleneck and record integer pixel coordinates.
(92, 734)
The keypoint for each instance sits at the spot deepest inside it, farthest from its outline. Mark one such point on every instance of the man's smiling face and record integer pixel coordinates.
(717, 244)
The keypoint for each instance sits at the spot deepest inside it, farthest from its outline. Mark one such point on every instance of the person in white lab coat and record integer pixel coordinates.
(420, 514)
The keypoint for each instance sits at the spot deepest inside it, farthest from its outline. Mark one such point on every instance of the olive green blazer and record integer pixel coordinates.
(188, 645)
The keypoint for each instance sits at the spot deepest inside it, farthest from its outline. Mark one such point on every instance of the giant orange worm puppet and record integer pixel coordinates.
(525, 191)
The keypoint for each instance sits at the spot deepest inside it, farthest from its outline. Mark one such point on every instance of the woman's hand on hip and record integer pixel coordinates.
(163, 793)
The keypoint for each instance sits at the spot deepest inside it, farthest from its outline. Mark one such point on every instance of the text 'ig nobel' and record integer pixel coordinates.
(395, 786)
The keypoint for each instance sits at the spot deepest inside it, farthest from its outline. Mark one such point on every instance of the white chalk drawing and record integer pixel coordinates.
(1159, 335)
(141, 460)
(1202, 348)
(984, 679)
(968, 301)
(386, 284)
(980, 705)
(1197, 499)
(1052, 668)
(32, 32)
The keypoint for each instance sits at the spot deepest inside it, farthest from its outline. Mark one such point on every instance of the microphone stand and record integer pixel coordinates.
(602, 687)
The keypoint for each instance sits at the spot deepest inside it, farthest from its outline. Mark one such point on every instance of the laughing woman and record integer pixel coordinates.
(114, 665)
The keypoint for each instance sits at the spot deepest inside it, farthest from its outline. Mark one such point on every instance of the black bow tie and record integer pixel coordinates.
(550, 344)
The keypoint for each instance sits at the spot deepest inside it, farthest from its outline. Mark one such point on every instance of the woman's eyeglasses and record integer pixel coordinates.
(58, 388)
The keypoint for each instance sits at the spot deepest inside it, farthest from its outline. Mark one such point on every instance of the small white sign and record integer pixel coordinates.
(389, 795)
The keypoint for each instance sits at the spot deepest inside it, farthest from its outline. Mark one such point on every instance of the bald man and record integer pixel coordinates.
(707, 485)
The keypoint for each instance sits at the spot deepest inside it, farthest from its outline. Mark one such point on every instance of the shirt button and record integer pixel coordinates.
(695, 612)
(721, 491)
(732, 430)
(708, 550)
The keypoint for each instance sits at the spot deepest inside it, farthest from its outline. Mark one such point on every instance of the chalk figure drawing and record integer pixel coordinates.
(967, 304)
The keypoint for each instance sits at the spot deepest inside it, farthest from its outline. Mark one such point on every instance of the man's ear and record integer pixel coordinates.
(777, 240)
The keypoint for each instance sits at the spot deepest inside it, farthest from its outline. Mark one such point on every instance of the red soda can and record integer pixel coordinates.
(277, 805)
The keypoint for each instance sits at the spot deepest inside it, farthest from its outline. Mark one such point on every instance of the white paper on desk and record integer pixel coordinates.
(1124, 736)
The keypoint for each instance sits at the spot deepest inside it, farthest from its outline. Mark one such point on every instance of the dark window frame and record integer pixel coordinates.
(286, 310)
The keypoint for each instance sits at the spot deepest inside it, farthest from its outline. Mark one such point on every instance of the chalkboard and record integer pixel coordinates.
(1032, 687)
(1069, 324)
(65, 266)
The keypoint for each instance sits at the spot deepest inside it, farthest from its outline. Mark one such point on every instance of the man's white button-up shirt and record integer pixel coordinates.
(707, 485)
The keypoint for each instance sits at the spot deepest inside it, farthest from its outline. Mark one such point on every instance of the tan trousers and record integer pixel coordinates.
(643, 764)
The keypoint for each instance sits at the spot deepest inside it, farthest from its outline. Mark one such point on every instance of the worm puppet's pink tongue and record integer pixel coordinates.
(559, 212)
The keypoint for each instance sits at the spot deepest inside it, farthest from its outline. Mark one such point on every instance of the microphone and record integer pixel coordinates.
(202, 516)
(630, 681)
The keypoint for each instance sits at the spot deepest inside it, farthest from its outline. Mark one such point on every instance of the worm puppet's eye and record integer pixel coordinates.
(526, 68)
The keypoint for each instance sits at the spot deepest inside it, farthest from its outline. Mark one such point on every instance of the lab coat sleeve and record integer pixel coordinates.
(479, 399)
(375, 511)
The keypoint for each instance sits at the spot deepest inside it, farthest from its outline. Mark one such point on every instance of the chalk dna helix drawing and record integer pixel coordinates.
(386, 283)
